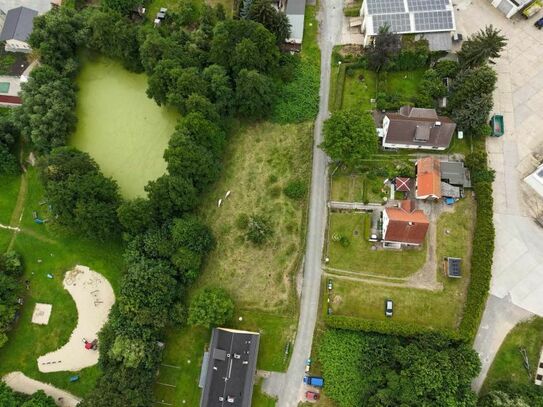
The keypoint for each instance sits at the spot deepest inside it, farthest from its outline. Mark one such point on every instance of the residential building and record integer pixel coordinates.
(404, 225)
(415, 128)
(295, 11)
(428, 181)
(430, 19)
(228, 369)
(535, 180)
(17, 28)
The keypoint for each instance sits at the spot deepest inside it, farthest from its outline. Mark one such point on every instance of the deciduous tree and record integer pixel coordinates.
(211, 307)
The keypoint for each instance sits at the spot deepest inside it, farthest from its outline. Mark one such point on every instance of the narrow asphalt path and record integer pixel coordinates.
(288, 386)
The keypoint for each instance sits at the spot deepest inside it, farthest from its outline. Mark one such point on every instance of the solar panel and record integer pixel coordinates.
(434, 21)
(385, 6)
(427, 5)
(453, 267)
(398, 22)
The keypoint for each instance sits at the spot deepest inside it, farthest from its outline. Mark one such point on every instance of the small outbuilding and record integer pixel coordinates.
(453, 265)
(17, 28)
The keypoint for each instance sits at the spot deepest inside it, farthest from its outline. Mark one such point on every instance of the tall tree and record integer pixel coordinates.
(386, 45)
(211, 307)
(350, 137)
(255, 94)
(482, 47)
(275, 21)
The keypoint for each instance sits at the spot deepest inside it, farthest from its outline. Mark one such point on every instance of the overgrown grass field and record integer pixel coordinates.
(8, 197)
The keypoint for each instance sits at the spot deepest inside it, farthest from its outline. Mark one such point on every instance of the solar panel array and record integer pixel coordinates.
(427, 5)
(386, 6)
(454, 267)
(398, 23)
(435, 20)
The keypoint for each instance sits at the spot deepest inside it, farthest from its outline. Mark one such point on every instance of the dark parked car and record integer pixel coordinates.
(389, 308)
(539, 23)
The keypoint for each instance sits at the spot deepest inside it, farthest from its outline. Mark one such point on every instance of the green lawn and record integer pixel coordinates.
(8, 197)
(508, 366)
(260, 399)
(119, 126)
(359, 257)
(358, 188)
(44, 251)
(434, 309)
(174, 5)
(360, 87)
(403, 83)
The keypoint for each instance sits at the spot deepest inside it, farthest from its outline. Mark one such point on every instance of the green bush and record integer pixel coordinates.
(483, 246)
(259, 229)
(295, 189)
(352, 11)
(299, 99)
(340, 85)
(389, 327)
(242, 221)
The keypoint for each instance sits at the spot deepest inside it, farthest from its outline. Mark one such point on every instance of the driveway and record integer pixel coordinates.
(288, 386)
(517, 275)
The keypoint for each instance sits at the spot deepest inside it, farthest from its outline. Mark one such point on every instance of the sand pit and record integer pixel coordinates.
(93, 298)
(41, 313)
(24, 384)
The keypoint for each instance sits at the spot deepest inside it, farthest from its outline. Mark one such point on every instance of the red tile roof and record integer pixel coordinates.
(403, 184)
(428, 178)
(406, 225)
(15, 100)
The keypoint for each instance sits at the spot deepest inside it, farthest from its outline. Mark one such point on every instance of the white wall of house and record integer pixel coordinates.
(17, 46)
(411, 146)
(386, 220)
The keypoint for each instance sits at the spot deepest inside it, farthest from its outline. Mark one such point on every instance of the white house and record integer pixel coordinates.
(535, 180)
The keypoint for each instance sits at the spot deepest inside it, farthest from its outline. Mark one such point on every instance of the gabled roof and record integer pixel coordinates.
(406, 225)
(18, 24)
(455, 173)
(428, 178)
(419, 127)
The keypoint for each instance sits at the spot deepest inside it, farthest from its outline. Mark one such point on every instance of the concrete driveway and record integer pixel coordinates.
(517, 275)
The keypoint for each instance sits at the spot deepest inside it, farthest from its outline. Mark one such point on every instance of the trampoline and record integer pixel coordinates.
(4, 87)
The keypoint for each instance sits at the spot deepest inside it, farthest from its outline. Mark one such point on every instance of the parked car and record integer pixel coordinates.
(330, 285)
(307, 365)
(314, 381)
(311, 395)
(539, 23)
(389, 308)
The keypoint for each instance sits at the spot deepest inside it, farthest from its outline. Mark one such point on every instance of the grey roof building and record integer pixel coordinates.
(295, 12)
(18, 24)
(229, 368)
(455, 173)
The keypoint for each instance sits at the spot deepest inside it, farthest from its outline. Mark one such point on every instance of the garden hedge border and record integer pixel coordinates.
(481, 262)
(389, 327)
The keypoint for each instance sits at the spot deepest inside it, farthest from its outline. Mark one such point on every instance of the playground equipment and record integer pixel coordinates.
(74, 378)
(91, 345)
(496, 122)
(37, 218)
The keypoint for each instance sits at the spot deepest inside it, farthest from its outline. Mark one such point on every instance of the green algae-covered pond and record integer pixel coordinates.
(119, 126)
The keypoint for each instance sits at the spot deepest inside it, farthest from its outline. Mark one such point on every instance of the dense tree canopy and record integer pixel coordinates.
(482, 47)
(47, 116)
(263, 12)
(376, 370)
(384, 48)
(8, 398)
(81, 198)
(211, 307)
(10, 270)
(9, 136)
(350, 137)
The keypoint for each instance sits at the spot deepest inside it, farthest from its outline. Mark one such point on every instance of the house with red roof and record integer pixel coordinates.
(428, 181)
(404, 225)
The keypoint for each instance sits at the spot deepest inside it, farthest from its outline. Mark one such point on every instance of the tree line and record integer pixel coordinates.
(211, 69)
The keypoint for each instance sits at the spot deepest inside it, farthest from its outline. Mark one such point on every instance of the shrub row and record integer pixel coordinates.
(481, 263)
(340, 85)
(389, 327)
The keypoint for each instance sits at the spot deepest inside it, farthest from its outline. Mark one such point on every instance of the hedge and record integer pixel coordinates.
(340, 85)
(389, 327)
(481, 262)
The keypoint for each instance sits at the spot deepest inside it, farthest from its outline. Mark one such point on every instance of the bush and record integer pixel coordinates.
(483, 246)
(295, 189)
(299, 99)
(211, 307)
(259, 229)
(388, 101)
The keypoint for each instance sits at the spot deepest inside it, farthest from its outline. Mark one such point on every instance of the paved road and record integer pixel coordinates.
(288, 386)
(517, 274)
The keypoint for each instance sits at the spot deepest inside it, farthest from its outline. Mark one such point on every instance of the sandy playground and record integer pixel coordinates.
(24, 384)
(93, 298)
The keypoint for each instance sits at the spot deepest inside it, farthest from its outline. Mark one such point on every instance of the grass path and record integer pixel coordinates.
(17, 214)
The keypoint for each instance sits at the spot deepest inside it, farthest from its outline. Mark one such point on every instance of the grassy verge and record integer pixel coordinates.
(508, 366)
(358, 255)
(46, 251)
(8, 197)
(430, 309)
(260, 399)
